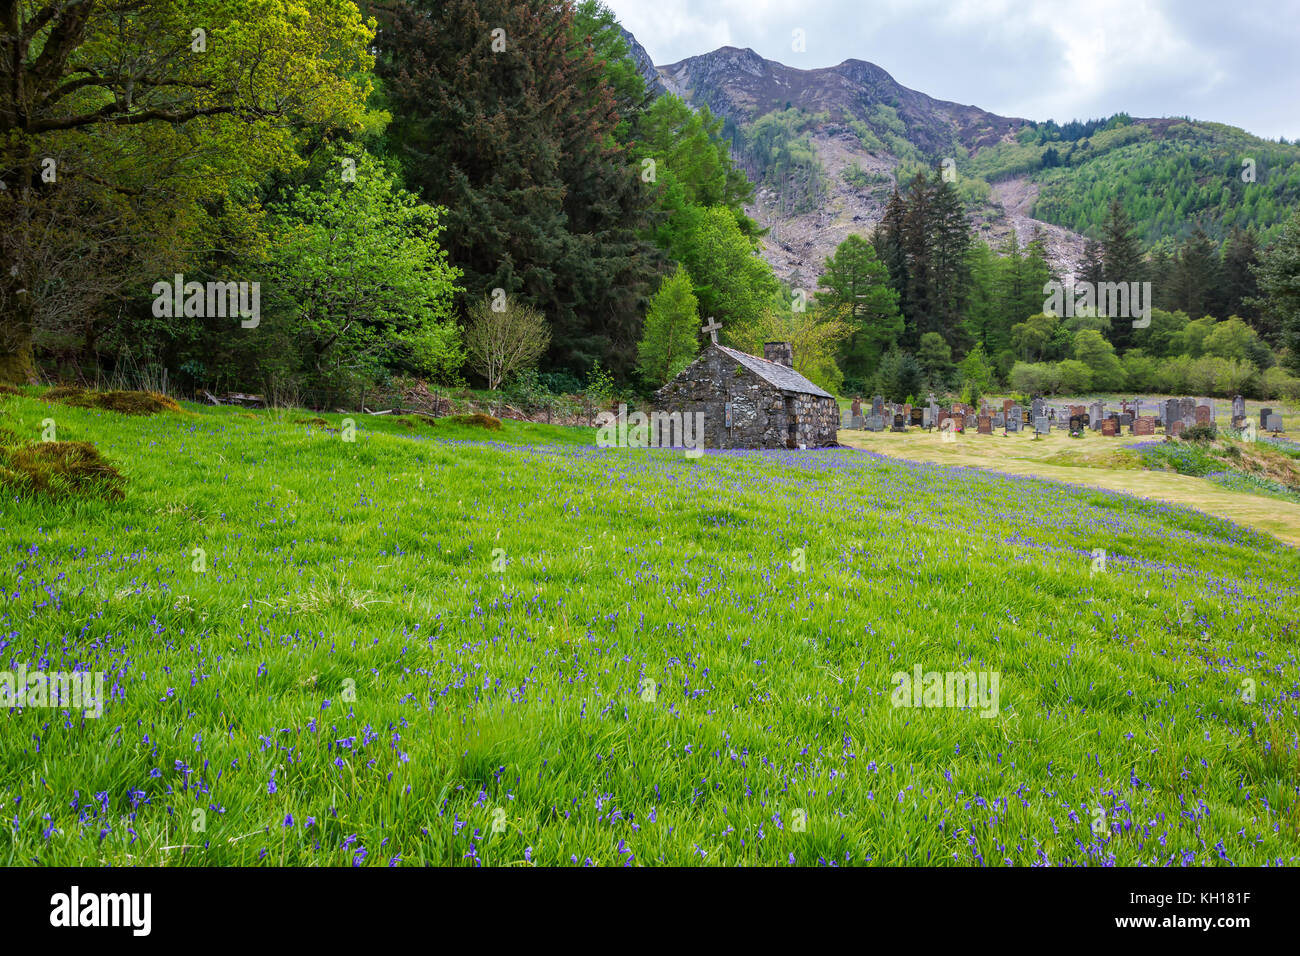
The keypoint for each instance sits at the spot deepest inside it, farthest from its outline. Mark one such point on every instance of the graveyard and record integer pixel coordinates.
(1090, 457)
(450, 644)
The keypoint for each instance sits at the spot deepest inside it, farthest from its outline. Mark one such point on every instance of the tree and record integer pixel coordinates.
(364, 279)
(1278, 273)
(669, 340)
(1033, 336)
(166, 111)
(1074, 377)
(855, 280)
(1196, 278)
(1121, 259)
(935, 357)
(976, 370)
(733, 283)
(1092, 349)
(1240, 288)
(899, 375)
(503, 114)
(815, 336)
(503, 337)
(1232, 338)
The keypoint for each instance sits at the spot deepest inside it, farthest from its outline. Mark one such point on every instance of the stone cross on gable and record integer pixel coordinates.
(712, 329)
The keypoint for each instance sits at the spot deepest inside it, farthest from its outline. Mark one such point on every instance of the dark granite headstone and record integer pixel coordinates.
(900, 423)
(1078, 424)
(972, 420)
(918, 416)
(1263, 417)
(1238, 407)
(1015, 418)
(875, 423)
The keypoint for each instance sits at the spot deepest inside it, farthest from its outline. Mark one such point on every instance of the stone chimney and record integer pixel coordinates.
(782, 353)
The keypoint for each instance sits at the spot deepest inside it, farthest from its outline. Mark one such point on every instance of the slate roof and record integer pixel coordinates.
(783, 377)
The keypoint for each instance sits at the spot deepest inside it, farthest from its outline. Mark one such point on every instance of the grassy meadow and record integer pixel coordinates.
(444, 644)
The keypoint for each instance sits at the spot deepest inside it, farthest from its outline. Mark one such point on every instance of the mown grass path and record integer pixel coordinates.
(349, 680)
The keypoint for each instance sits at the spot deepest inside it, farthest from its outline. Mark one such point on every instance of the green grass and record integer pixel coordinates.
(295, 626)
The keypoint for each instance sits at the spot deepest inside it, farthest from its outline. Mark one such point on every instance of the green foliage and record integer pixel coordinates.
(855, 284)
(899, 375)
(733, 284)
(777, 149)
(1279, 283)
(362, 279)
(1098, 356)
(669, 341)
(976, 370)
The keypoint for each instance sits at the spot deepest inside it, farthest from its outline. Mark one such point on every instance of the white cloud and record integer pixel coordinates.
(1059, 59)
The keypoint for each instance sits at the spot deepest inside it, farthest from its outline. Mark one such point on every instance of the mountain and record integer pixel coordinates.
(826, 146)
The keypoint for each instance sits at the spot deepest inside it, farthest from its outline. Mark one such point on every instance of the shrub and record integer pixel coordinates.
(1278, 383)
(1200, 433)
(59, 470)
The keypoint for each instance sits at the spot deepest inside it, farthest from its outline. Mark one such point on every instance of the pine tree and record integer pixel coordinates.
(1196, 277)
(1121, 262)
(502, 115)
(1240, 253)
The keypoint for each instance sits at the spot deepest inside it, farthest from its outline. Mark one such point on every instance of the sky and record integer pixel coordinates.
(1227, 61)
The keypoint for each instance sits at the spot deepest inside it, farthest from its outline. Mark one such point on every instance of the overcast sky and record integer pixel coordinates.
(1230, 61)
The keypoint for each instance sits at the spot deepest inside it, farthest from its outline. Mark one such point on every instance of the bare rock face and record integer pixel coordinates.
(742, 86)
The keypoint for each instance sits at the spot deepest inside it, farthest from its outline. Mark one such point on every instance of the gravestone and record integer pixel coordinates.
(927, 420)
(856, 408)
(1077, 410)
(878, 405)
(985, 425)
(1126, 420)
(1006, 404)
(875, 423)
(1110, 427)
(1000, 420)
(1176, 429)
(1078, 423)
(1263, 417)
(900, 423)
(1203, 414)
(1144, 425)
(1209, 409)
(1238, 407)
(1187, 409)
(918, 416)
(972, 420)
(1036, 409)
(1274, 424)
(1043, 425)
(1095, 414)
(857, 422)
(1015, 418)
(1171, 413)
